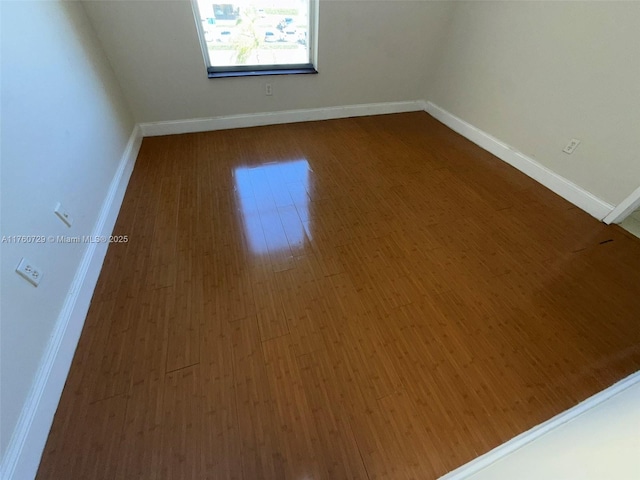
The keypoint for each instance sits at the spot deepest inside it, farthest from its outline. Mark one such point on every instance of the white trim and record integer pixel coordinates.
(516, 443)
(23, 453)
(624, 208)
(203, 42)
(556, 183)
(314, 28)
(173, 127)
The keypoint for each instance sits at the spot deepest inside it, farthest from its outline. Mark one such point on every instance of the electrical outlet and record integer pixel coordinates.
(571, 146)
(29, 272)
(268, 91)
(63, 214)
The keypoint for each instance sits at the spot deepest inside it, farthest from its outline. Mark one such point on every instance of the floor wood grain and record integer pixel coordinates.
(362, 298)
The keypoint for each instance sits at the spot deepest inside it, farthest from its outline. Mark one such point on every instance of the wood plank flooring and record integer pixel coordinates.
(370, 298)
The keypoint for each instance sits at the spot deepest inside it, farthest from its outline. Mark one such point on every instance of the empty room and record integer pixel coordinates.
(320, 239)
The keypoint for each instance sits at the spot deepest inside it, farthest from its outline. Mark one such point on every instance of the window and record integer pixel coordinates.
(256, 37)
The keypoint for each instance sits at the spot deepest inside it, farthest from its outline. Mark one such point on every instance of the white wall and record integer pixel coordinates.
(535, 74)
(369, 52)
(65, 125)
(601, 443)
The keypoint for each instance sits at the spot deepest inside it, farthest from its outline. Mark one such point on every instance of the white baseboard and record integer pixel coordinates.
(554, 182)
(24, 451)
(272, 118)
(516, 443)
(624, 208)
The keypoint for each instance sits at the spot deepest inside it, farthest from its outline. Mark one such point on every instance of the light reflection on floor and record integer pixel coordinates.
(272, 199)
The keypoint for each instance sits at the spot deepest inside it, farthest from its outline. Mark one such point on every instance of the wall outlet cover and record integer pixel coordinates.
(571, 146)
(29, 272)
(63, 215)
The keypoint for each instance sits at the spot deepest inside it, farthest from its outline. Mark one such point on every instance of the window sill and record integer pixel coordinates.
(256, 73)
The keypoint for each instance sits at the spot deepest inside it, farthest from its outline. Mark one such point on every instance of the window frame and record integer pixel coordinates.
(257, 70)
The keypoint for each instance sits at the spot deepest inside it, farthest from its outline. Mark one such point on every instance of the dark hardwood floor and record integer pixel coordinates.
(363, 298)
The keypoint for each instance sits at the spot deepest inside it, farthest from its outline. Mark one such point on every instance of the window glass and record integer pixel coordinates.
(255, 33)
